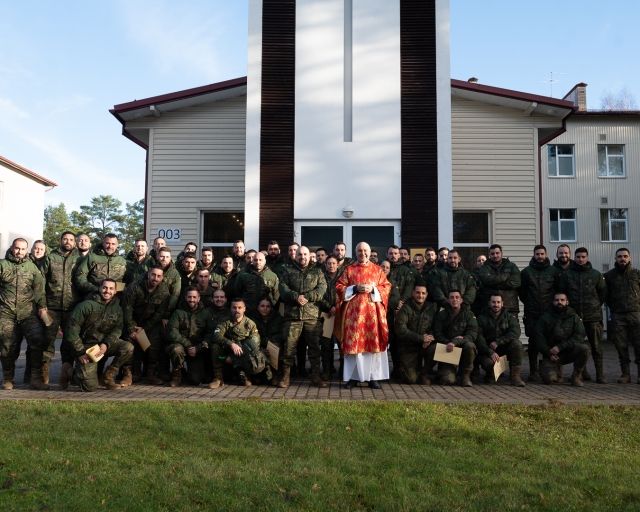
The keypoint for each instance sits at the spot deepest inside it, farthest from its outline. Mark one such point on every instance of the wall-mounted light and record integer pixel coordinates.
(347, 212)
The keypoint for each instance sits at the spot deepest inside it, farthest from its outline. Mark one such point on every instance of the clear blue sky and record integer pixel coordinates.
(64, 64)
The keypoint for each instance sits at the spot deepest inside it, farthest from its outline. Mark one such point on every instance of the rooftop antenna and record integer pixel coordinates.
(551, 80)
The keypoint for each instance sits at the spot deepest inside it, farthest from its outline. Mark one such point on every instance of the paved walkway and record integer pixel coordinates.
(501, 393)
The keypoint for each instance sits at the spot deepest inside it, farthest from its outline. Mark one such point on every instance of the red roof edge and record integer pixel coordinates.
(179, 95)
(30, 174)
(509, 93)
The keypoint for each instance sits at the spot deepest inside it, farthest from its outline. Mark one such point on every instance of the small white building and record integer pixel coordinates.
(591, 185)
(21, 203)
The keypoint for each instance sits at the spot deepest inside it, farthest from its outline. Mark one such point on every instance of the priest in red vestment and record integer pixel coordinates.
(361, 325)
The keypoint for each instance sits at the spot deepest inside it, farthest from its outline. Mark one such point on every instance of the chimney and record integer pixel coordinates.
(578, 96)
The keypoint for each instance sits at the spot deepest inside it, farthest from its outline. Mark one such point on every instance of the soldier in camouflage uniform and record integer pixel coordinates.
(97, 321)
(146, 306)
(414, 334)
(452, 277)
(302, 287)
(203, 284)
(22, 305)
(171, 279)
(239, 339)
(456, 326)
(560, 338)
(188, 329)
(219, 314)
(58, 270)
(499, 335)
(225, 277)
(138, 262)
(328, 306)
(104, 262)
(501, 276)
(257, 282)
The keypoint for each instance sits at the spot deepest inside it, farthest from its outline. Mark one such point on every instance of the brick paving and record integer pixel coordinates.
(501, 393)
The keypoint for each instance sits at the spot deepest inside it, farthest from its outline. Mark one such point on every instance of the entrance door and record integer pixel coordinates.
(378, 234)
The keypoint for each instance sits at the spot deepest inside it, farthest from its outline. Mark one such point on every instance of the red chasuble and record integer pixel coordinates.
(361, 325)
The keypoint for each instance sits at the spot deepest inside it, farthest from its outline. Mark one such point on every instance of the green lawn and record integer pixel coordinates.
(249, 455)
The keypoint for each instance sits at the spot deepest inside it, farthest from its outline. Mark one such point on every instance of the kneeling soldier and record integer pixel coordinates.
(456, 326)
(97, 321)
(237, 338)
(187, 330)
(499, 335)
(560, 338)
(414, 336)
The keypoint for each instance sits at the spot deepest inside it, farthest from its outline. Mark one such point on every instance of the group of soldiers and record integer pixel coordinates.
(254, 316)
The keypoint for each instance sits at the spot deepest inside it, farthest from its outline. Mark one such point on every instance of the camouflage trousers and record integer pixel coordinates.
(447, 372)
(414, 361)
(198, 366)
(86, 375)
(293, 331)
(11, 333)
(626, 331)
(512, 350)
(60, 319)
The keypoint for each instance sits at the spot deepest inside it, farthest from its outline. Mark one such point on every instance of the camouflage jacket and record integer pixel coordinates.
(21, 288)
(270, 329)
(445, 279)
(413, 321)
(58, 272)
(503, 329)
(189, 328)
(503, 278)
(586, 289)
(245, 332)
(143, 308)
(137, 269)
(96, 266)
(94, 321)
(537, 287)
(623, 289)
(403, 278)
(563, 330)
(447, 327)
(253, 286)
(309, 282)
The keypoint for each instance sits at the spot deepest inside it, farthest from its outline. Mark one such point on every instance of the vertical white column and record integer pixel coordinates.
(348, 71)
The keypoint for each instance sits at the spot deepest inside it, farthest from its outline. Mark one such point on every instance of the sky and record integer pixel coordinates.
(64, 64)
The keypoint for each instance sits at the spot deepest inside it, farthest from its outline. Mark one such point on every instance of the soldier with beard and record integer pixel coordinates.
(203, 284)
(536, 293)
(225, 277)
(560, 338)
(104, 262)
(138, 262)
(238, 252)
(500, 276)
(623, 298)
(207, 261)
(38, 254)
(171, 277)
(563, 258)
(83, 243)
(257, 282)
(274, 258)
(452, 277)
(340, 253)
(22, 306)
(586, 290)
(429, 267)
(188, 269)
(321, 256)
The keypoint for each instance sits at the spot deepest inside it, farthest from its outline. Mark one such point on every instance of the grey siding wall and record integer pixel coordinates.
(585, 191)
(196, 163)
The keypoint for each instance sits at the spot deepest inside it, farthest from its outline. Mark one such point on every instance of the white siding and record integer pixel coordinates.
(196, 163)
(585, 190)
(495, 169)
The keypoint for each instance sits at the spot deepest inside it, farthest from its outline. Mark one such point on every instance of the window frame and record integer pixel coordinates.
(557, 158)
(204, 242)
(610, 222)
(608, 174)
(560, 222)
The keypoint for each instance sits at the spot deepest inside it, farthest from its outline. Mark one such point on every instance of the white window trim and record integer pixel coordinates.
(609, 226)
(606, 159)
(557, 157)
(560, 221)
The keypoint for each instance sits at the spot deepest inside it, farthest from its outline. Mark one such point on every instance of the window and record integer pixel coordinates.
(613, 225)
(471, 236)
(562, 225)
(611, 161)
(561, 161)
(221, 229)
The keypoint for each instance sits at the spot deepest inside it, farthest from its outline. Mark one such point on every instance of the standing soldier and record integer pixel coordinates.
(104, 262)
(586, 290)
(138, 262)
(171, 277)
(623, 298)
(257, 282)
(146, 306)
(22, 306)
(501, 276)
(302, 287)
(536, 293)
(563, 258)
(97, 321)
(59, 268)
(452, 277)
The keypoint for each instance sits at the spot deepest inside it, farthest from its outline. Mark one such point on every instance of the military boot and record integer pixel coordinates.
(516, 379)
(243, 379)
(549, 372)
(600, 379)
(45, 373)
(625, 377)
(466, 379)
(151, 378)
(316, 380)
(576, 378)
(36, 380)
(216, 383)
(66, 373)
(8, 379)
(286, 376)
(127, 377)
(110, 378)
(176, 378)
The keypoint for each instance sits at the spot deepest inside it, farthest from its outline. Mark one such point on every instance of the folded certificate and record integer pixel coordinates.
(500, 366)
(443, 356)
(120, 286)
(143, 340)
(327, 325)
(273, 353)
(94, 353)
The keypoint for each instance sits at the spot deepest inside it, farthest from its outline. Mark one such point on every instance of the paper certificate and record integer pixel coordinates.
(327, 325)
(94, 353)
(443, 356)
(143, 340)
(500, 367)
(273, 353)
(120, 286)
